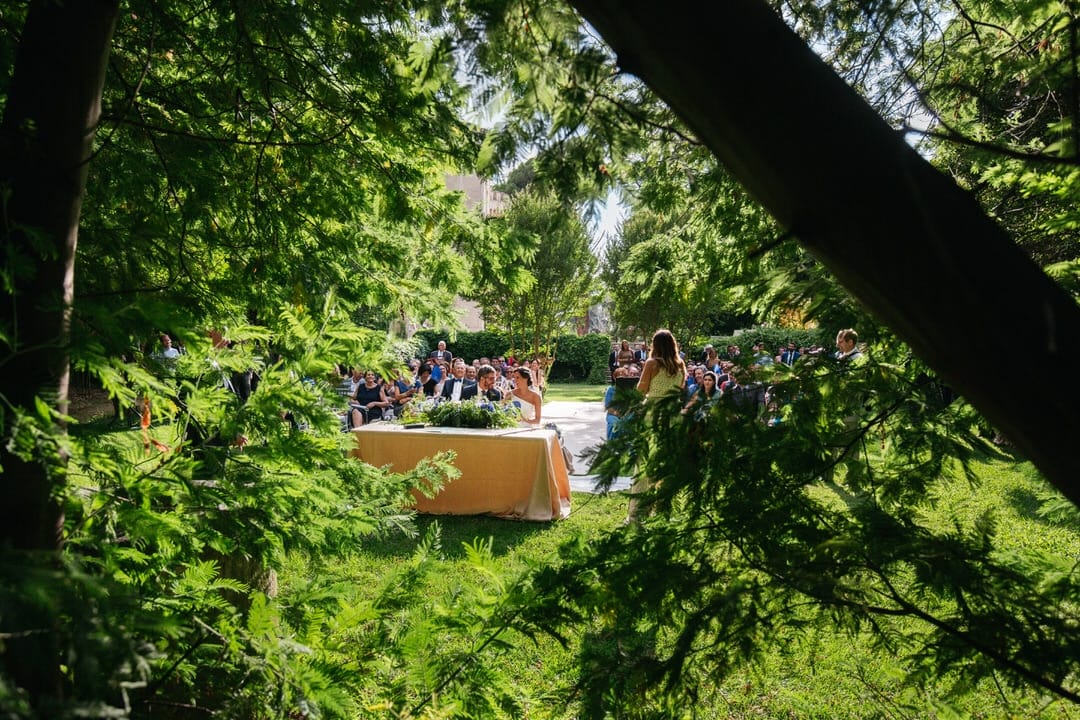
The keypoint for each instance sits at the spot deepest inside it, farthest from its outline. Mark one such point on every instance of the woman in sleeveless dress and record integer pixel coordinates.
(527, 396)
(663, 375)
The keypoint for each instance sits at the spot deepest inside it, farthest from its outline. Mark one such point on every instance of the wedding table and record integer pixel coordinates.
(512, 473)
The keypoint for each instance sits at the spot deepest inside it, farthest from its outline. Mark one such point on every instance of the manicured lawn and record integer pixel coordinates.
(574, 392)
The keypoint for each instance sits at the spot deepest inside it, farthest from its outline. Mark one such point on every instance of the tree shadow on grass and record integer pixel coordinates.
(1041, 503)
(591, 514)
(457, 531)
(1025, 502)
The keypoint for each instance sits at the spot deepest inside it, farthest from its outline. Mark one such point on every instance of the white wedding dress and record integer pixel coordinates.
(528, 411)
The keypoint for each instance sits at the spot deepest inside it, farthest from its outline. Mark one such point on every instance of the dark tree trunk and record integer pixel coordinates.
(46, 136)
(917, 250)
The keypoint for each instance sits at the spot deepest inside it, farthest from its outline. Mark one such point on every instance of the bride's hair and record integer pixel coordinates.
(525, 373)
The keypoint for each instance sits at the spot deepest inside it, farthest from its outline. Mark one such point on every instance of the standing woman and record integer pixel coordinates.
(527, 396)
(538, 375)
(664, 372)
(663, 375)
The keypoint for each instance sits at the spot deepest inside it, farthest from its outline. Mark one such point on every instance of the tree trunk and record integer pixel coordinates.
(46, 135)
(917, 250)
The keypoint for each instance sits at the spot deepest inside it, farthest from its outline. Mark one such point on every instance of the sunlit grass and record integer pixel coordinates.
(574, 392)
(821, 674)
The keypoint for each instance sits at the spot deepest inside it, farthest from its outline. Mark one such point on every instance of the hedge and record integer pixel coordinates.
(581, 358)
(772, 337)
(577, 359)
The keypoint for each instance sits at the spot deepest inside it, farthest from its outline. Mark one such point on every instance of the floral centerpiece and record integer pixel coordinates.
(465, 415)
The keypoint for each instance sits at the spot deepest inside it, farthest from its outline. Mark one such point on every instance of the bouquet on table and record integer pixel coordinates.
(443, 413)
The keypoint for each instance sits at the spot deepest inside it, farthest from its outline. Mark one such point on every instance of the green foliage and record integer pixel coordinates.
(999, 127)
(747, 525)
(560, 263)
(307, 162)
(810, 671)
(771, 337)
(263, 155)
(171, 537)
(469, 415)
(468, 345)
(580, 358)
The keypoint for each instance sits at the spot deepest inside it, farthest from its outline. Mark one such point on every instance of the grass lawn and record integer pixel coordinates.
(808, 675)
(574, 392)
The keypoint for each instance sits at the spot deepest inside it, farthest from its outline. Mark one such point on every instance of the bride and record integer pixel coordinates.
(527, 396)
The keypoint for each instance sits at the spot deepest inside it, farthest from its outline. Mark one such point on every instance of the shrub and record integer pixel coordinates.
(468, 345)
(470, 415)
(772, 337)
(581, 358)
(577, 358)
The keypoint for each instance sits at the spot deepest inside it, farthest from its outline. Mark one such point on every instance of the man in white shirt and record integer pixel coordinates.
(168, 351)
(847, 346)
(457, 388)
(442, 354)
(485, 384)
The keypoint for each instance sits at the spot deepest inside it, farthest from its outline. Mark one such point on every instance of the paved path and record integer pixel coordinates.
(583, 425)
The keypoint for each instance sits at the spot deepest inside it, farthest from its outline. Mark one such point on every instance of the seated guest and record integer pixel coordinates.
(470, 373)
(369, 401)
(707, 392)
(356, 379)
(440, 370)
(712, 359)
(527, 397)
(429, 386)
(789, 355)
(615, 409)
(456, 387)
(342, 377)
(403, 389)
(485, 384)
(694, 380)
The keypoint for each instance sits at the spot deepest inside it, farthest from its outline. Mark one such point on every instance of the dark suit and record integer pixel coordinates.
(468, 389)
(442, 355)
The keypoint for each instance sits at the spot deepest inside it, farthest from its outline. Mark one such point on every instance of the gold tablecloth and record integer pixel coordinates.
(515, 473)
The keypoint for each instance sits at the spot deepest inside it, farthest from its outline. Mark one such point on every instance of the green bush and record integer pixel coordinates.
(469, 415)
(468, 345)
(577, 359)
(772, 337)
(581, 358)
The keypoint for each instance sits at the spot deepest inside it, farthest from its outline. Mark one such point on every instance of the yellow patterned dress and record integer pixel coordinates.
(661, 385)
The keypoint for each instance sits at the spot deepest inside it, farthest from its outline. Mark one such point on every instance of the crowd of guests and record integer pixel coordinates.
(715, 374)
(441, 377)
